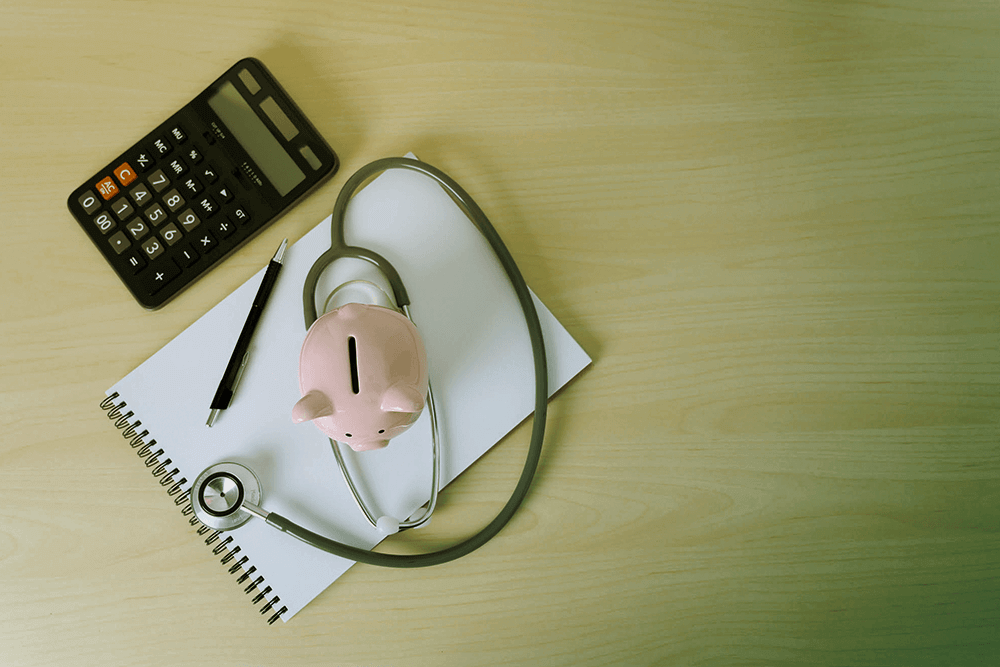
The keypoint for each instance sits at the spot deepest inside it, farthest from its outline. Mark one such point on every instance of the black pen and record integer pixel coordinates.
(238, 362)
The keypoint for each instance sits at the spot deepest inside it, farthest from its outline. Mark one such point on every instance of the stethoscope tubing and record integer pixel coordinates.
(339, 249)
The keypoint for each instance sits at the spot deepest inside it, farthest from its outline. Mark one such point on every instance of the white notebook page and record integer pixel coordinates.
(479, 356)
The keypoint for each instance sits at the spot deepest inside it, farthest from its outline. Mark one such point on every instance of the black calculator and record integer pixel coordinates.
(202, 183)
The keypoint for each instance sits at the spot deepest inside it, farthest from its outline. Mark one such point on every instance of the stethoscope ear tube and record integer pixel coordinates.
(341, 252)
(340, 249)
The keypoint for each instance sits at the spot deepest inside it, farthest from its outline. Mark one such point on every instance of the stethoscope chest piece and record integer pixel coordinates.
(220, 493)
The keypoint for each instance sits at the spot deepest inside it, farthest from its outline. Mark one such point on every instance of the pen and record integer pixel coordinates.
(238, 362)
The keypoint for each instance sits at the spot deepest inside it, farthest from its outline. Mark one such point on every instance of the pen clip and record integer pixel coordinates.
(213, 415)
(239, 373)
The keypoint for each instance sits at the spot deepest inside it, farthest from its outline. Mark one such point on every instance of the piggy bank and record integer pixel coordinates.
(362, 375)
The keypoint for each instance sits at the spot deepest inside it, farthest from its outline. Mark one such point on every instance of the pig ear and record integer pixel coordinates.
(402, 398)
(312, 405)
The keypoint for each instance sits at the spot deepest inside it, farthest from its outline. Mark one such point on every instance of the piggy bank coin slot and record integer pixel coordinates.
(352, 351)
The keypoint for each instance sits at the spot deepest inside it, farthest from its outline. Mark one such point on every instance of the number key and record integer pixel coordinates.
(104, 222)
(153, 248)
(89, 202)
(122, 208)
(171, 234)
(173, 200)
(156, 215)
(140, 194)
(137, 228)
(158, 180)
(188, 220)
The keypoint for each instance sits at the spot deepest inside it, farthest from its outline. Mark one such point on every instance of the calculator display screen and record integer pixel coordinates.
(256, 138)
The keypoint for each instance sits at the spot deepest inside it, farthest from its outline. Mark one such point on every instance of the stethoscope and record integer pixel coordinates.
(227, 495)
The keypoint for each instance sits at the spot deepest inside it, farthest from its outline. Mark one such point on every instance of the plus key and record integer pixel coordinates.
(158, 275)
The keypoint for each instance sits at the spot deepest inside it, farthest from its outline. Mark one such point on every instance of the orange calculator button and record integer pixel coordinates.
(124, 173)
(107, 188)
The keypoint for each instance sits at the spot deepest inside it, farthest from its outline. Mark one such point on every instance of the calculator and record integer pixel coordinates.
(202, 183)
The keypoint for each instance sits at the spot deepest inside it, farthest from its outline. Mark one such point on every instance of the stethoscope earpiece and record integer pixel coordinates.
(387, 525)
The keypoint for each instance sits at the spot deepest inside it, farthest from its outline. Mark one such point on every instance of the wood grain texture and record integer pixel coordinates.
(772, 224)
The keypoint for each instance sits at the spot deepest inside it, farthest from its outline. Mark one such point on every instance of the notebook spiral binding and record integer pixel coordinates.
(151, 457)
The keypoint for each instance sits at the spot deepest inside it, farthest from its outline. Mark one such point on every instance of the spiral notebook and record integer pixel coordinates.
(480, 362)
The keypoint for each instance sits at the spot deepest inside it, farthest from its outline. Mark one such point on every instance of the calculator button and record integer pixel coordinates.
(89, 202)
(153, 248)
(122, 208)
(192, 185)
(161, 274)
(208, 206)
(105, 222)
(178, 167)
(173, 200)
(188, 256)
(119, 242)
(125, 174)
(177, 132)
(140, 195)
(188, 220)
(170, 234)
(137, 228)
(239, 215)
(156, 215)
(107, 188)
(144, 161)
(158, 180)
(160, 147)
(224, 227)
(134, 261)
(204, 241)
(224, 193)
(209, 174)
(194, 155)
(209, 139)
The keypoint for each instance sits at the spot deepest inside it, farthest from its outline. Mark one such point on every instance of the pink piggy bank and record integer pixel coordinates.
(362, 375)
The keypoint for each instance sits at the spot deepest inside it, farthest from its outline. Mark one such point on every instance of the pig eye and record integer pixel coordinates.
(348, 435)
(382, 430)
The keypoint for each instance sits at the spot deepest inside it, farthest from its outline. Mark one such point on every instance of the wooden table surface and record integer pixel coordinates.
(773, 225)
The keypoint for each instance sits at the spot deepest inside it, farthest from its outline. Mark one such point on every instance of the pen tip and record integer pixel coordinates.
(281, 251)
(211, 417)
